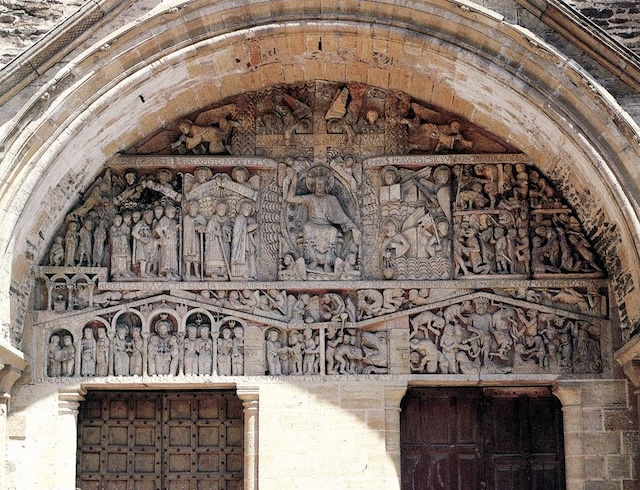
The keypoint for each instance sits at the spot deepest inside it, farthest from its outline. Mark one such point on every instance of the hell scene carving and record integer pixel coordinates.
(271, 235)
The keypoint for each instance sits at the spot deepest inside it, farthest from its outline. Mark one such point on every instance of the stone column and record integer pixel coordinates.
(570, 395)
(69, 399)
(250, 403)
(392, 398)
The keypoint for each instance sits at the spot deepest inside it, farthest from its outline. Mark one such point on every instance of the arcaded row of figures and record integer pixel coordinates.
(165, 352)
(473, 335)
(326, 222)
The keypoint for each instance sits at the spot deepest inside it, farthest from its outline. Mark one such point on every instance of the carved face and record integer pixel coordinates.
(321, 187)
(226, 334)
(441, 175)
(389, 228)
(240, 174)
(130, 178)
(246, 209)
(204, 332)
(389, 177)
(221, 208)
(201, 175)
(67, 340)
(102, 333)
(192, 333)
(162, 328)
(272, 335)
(184, 127)
(480, 306)
(88, 333)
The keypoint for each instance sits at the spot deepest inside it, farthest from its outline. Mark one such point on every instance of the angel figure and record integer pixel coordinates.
(422, 135)
(211, 129)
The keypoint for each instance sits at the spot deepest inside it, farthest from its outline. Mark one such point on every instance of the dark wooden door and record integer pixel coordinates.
(466, 439)
(160, 441)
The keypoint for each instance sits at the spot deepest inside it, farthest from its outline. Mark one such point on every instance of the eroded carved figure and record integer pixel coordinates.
(88, 353)
(328, 230)
(163, 348)
(495, 338)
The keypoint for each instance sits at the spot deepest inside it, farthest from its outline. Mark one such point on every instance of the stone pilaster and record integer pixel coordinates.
(250, 403)
(69, 399)
(393, 396)
(12, 364)
(571, 398)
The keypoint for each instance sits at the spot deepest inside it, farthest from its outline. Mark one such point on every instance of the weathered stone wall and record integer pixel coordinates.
(23, 22)
(620, 18)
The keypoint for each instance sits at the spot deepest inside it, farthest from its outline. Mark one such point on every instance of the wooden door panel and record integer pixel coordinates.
(160, 441)
(469, 471)
(467, 439)
(444, 452)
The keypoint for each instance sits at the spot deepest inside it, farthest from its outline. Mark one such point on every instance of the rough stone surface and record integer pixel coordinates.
(619, 18)
(23, 22)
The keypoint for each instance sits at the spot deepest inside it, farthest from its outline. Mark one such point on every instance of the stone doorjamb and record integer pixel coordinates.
(69, 398)
(393, 395)
(249, 395)
(571, 398)
(12, 365)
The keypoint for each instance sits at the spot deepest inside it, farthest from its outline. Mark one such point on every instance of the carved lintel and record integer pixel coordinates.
(13, 364)
(69, 399)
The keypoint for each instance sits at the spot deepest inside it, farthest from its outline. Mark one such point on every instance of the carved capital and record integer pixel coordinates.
(570, 395)
(249, 395)
(69, 399)
(393, 395)
(13, 364)
(628, 356)
(632, 370)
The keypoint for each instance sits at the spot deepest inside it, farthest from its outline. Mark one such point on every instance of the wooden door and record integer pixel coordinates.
(160, 441)
(441, 446)
(524, 441)
(469, 439)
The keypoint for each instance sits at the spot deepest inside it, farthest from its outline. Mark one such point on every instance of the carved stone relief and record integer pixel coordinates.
(274, 228)
(481, 334)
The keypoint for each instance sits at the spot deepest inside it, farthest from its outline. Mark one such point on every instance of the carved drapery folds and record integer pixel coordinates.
(273, 226)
